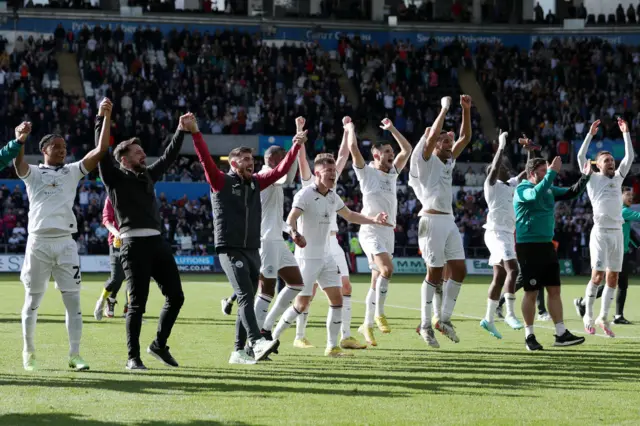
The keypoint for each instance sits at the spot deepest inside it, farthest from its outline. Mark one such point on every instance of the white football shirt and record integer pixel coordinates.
(436, 179)
(379, 191)
(334, 216)
(51, 192)
(606, 199)
(315, 221)
(499, 197)
(272, 200)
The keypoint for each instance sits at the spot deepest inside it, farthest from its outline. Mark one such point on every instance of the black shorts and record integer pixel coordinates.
(539, 266)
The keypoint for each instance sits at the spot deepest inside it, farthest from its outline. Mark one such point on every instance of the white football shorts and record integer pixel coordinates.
(323, 271)
(439, 239)
(46, 257)
(501, 245)
(275, 255)
(606, 249)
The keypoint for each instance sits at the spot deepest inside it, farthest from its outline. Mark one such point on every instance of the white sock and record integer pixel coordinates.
(491, 310)
(346, 316)
(560, 328)
(589, 299)
(510, 301)
(437, 301)
(261, 306)
(607, 298)
(284, 299)
(301, 324)
(426, 303)
(334, 323)
(528, 330)
(449, 295)
(382, 286)
(287, 318)
(71, 301)
(370, 307)
(29, 318)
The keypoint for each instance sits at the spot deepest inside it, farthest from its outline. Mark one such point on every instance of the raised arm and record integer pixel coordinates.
(358, 159)
(497, 159)
(584, 148)
(303, 164)
(170, 154)
(22, 132)
(213, 175)
(531, 194)
(343, 152)
(93, 157)
(405, 147)
(629, 153)
(436, 128)
(465, 127)
(265, 179)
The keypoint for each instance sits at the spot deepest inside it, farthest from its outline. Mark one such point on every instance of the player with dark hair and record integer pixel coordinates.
(237, 211)
(379, 194)
(144, 253)
(534, 204)
(606, 244)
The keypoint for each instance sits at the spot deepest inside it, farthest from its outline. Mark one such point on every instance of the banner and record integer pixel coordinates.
(198, 264)
(328, 37)
(614, 146)
(206, 264)
(266, 142)
(416, 266)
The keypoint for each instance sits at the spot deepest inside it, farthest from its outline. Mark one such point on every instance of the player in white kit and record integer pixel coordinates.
(347, 341)
(379, 194)
(606, 245)
(310, 224)
(500, 240)
(51, 188)
(438, 236)
(275, 257)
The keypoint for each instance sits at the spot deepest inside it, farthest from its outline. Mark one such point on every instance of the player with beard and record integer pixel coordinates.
(607, 240)
(378, 184)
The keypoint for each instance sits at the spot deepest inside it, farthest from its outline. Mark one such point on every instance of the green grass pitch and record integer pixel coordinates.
(481, 380)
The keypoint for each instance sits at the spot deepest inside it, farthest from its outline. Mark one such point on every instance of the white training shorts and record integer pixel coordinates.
(606, 249)
(501, 245)
(439, 239)
(376, 239)
(339, 256)
(274, 256)
(45, 257)
(322, 271)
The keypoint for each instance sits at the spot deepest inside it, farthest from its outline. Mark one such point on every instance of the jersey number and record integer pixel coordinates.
(77, 274)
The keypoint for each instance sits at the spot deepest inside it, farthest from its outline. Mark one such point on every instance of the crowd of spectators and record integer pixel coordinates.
(405, 83)
(236, 84)
(554, 91)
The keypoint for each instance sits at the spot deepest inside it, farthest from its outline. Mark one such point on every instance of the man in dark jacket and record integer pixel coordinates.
(237, 213)
(144, 253)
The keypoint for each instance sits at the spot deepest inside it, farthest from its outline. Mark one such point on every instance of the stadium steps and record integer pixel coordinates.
(470, 86)
(69, 74)
(351, 93)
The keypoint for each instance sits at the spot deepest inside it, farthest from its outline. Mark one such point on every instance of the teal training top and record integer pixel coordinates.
(9, 152)
(629, 216)
(535, 204)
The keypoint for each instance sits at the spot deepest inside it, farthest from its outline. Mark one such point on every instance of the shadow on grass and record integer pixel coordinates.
(69, 419)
